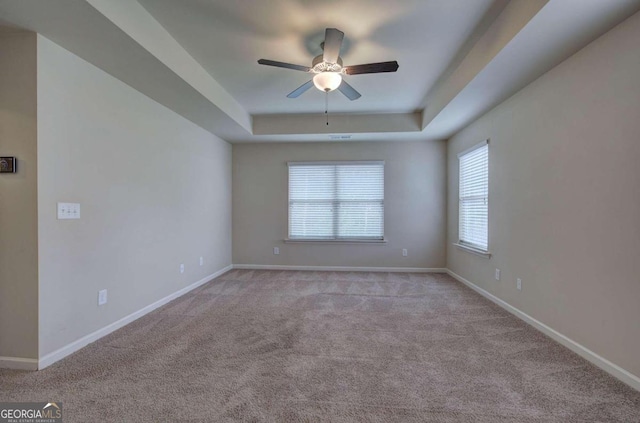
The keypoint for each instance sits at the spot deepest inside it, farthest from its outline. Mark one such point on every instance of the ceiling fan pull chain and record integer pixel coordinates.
(326, 106)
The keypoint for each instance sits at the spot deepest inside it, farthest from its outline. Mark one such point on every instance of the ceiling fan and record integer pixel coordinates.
(328, 69)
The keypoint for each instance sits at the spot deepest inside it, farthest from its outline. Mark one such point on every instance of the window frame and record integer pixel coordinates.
(464, 244)
(334, 240)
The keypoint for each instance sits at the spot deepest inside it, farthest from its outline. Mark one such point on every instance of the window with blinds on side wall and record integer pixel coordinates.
(336, 200)
(473, 212)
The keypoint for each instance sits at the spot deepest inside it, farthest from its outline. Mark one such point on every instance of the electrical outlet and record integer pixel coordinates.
(201, 261)
(519, 284)
(276, 251)
(404, 252)
(497, 274)
(182, 268)
(102, 297)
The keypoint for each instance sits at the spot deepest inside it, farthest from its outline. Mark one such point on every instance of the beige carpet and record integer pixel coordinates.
(322, 346)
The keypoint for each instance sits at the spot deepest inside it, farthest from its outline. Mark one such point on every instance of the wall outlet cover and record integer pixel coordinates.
(102, 297)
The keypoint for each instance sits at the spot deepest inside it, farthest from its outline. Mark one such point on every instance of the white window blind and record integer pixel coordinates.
(336, 200)
(474, 197)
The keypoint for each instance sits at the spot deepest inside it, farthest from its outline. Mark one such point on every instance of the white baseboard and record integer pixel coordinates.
(609, 367)
(18, 363)
(59, 354)
(341, 268)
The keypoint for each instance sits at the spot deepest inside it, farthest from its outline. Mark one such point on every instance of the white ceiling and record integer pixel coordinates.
(228, 37)
(458, 58)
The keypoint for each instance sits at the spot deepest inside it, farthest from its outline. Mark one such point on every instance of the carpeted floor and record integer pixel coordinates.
(285, 346)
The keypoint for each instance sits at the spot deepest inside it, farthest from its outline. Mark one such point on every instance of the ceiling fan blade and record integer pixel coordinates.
(301, 89)
(332, 44)
(349, 91)
(372, 68)
(284, 65)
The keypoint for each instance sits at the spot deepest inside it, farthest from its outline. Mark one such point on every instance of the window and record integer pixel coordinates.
(336, 201)
(474, 197)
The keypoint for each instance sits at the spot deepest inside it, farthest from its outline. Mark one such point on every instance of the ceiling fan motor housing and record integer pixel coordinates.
(319, 65)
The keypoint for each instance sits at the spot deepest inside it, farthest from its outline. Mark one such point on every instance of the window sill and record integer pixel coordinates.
(336, 241)
(481, 253)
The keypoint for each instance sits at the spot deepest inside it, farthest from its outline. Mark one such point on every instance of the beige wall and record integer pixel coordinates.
(154, 189)
(18, 198)
(565, 198)
(415, 215)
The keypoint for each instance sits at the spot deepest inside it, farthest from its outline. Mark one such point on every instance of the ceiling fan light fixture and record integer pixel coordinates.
(327, 81)
(327, 68)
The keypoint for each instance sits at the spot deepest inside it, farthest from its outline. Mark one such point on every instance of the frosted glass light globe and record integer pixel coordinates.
(327, 81)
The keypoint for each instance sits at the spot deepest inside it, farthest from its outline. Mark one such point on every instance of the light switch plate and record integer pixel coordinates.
(68, 211)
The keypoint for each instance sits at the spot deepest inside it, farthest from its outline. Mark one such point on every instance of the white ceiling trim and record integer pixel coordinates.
(504, 53)
(338, 124)
(560, 29)
(503, 29)
(143, 28)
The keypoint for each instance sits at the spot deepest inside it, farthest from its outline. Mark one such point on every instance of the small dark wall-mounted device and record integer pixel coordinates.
(8, 164)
